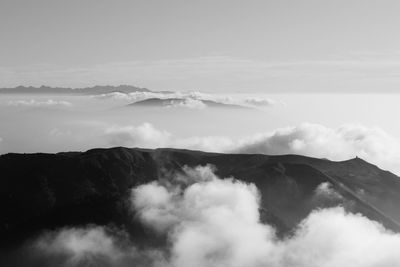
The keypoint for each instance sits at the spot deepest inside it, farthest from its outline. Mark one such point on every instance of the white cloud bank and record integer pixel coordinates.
(216, 222)
(36, 103)
(259, 101)
(344, 142)
(319, 141)
(90, 246)
(145, 135)
(189, 103)
(191, 99)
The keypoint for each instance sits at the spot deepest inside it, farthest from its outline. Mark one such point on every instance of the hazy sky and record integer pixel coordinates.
(259, 46)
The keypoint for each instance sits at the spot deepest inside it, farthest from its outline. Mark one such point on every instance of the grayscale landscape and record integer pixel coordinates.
(199, 133)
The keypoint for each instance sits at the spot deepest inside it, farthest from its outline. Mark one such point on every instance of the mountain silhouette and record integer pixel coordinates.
(166, 102)
(47, 191)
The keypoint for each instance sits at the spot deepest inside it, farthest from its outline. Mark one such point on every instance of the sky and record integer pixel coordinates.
(321, 77)
(213, 46)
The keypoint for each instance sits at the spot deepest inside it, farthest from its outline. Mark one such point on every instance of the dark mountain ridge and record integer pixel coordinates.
(165, 102)
(47, 191)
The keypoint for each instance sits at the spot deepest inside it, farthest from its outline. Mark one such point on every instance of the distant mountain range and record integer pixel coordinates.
(95, 90)
(47, 191)
(167, 100)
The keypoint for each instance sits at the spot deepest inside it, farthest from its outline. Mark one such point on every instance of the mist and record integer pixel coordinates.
(270, 124)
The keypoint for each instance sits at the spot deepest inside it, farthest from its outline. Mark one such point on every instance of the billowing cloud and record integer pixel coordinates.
(333, 237)
(210, 221)
(145, 135)
(188, 103)
(219, 216)
(37, 103)
(215, 222)
(148, 136)
(347, 141)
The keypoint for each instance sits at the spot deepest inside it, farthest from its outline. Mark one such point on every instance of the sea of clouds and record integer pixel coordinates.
(38, 103)
(315, 140)
(191, 99)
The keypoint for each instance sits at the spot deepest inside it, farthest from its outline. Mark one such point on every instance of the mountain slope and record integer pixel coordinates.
(46, 191)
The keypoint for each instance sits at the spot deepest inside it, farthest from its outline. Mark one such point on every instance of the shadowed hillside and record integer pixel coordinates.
(47, 191)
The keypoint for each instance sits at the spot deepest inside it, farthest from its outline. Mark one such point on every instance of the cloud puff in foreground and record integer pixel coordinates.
(216, 222)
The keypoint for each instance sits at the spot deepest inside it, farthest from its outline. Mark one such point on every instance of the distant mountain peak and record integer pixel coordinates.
(174, 101)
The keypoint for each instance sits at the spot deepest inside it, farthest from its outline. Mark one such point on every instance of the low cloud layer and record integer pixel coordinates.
(345, 142)
(216, 222)
(37, 103)
(191, 99)
(80, 245)
(189, 103)
(145, 135)
(90, 246)
(259, 101)
(319, 141)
